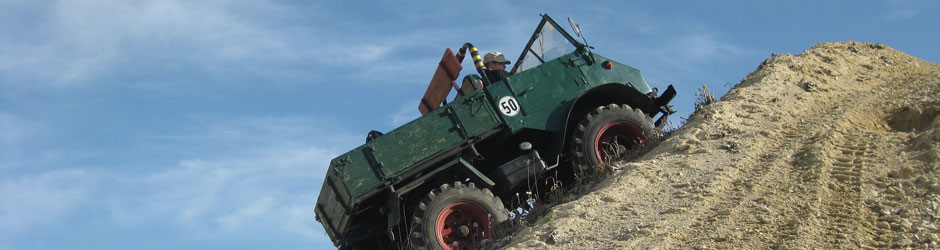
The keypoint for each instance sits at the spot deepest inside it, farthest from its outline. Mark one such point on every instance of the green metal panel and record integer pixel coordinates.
(545, 93)
(540, 91)
(333, 206)
(440, 130)
(368, 166)
(619, 73)
(475, 113)
(358, 175)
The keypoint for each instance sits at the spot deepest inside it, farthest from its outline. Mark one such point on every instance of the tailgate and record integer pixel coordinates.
(334, 206)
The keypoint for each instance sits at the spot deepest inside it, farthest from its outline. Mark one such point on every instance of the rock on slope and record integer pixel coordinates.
(837, 147)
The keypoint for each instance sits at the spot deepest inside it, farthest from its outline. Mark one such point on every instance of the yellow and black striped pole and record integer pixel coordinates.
(477, 60)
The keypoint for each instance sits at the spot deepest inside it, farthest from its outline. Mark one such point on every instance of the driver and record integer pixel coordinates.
(495, 66)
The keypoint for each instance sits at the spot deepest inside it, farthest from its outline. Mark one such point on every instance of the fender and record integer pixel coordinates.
(618, 93)
(459, 166)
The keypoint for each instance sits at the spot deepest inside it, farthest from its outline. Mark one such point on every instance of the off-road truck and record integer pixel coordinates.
(446, 179)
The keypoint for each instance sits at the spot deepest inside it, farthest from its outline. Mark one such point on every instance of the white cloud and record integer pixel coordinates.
(16, 133)
(260, 133)
(237, 219)
(15, 129)
(406, 113)
(228, 196)
(268, 185)
(44, 198)
(899, 14)
(90, 40)
(691, 51)
(701, 47)
(636, 18)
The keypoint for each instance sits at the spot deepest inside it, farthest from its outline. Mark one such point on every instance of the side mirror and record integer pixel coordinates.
(575, 27)
(577, 31)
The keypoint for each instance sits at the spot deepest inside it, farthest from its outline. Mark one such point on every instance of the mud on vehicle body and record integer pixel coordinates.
(443, 180)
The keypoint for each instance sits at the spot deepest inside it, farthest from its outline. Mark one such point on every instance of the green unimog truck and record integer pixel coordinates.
(444, 180)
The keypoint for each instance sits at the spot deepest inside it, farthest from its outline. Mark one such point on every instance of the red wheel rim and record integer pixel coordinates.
(622, 133)
(462, 225)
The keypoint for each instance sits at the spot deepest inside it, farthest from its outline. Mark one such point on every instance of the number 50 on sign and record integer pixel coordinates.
(509, 106)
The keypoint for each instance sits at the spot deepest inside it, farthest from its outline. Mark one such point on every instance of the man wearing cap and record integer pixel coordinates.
(495, 66)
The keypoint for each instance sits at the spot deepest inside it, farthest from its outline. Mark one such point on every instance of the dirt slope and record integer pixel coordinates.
(837, 147)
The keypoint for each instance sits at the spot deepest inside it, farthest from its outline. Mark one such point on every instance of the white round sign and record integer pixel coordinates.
(508, 106)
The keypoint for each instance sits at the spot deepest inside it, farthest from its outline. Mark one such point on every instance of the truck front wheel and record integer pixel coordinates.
(456, 217)
(607, 132)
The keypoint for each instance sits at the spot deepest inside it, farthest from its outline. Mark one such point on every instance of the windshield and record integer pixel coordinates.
(548, 44)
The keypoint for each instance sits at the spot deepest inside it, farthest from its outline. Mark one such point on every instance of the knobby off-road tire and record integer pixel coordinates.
(458, 216)
(607, 132)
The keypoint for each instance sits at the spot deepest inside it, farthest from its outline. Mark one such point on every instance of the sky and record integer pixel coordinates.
(172, 124)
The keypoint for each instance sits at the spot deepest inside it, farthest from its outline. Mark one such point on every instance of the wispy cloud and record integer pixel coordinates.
(215, 198)
(14, 129)
(106, 41)
(89, 41)
(406, 113)
(900, 14)
(267, 184)
(15, 132)
(689, 53)
(39, 199)
(702, 47)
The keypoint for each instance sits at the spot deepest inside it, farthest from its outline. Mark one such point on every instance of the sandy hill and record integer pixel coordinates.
(837, 147)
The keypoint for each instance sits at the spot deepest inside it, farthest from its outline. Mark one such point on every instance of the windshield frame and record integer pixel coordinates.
(535, 35)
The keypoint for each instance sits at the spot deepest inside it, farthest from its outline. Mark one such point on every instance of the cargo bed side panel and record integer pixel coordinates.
(334, 207)
(438, 131)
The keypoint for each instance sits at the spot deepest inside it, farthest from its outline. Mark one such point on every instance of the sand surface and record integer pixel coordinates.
(837, 147)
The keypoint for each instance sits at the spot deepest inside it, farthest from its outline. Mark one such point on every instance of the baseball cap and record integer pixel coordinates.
(495, 56)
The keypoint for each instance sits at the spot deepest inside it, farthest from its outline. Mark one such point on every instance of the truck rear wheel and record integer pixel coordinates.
(607, 132)
(456, 217)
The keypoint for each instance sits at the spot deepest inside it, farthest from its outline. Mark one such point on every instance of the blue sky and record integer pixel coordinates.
(209, 124)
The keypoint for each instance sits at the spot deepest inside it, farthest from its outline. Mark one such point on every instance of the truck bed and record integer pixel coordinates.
(353, 175)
